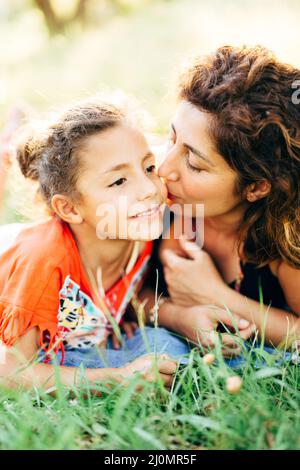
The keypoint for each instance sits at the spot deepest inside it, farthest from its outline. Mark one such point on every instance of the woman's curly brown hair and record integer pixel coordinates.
(256, 128)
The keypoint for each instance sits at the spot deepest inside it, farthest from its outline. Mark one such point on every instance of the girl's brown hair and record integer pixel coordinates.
(51, 156)
(256, 128)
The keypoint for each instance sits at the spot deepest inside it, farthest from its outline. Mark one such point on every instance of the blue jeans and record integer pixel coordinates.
(154, 340)
(148, 340)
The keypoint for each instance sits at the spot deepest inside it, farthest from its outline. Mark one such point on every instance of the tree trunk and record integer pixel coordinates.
(55, 24)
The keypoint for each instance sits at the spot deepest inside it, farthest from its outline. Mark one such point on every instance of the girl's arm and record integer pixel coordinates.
(16, 370)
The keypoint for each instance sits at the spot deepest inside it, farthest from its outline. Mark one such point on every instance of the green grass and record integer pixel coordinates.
(197, 413)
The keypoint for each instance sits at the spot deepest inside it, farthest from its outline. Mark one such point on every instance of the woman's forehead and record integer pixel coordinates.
(191, 123)
(192, 127)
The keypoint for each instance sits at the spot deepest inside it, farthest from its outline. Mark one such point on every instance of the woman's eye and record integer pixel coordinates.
(150, 169)
(191, 167)
(118, 182)
(171, 141)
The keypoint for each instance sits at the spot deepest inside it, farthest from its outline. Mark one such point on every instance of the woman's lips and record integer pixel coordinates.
(172, 196)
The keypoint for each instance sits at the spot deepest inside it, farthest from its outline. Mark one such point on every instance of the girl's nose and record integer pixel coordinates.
(167, 169)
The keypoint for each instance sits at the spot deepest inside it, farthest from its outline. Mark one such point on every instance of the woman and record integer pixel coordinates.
(235, 148)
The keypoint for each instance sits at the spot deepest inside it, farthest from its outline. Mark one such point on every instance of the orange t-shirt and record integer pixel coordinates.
(43, 284)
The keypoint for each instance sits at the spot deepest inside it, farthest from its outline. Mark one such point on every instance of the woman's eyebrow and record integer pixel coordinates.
(195, 151)
(123, 166)
(199, 154)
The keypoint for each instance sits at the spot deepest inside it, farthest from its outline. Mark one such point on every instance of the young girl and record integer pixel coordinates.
(235, 147)
(65, 283)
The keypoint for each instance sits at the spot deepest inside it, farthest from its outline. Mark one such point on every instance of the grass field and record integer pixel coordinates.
(198, 413)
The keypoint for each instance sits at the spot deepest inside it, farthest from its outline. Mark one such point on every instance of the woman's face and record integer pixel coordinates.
(193, 170)
(122, 195)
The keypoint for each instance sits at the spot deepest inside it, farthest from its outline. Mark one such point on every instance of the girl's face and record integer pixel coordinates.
(122, 195)
(193, 171)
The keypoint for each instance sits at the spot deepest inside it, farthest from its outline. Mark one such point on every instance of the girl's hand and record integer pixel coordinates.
(199, 323)
(152, 368)
(129, 328)
(194, 280)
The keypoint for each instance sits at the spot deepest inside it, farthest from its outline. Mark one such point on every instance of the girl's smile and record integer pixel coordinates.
(150, 213)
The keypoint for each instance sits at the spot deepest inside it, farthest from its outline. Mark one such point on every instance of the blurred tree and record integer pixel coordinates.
(60, 14)
(55, 22)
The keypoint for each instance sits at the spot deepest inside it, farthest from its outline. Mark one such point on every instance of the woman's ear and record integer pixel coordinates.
(65, 209)
(256, 191)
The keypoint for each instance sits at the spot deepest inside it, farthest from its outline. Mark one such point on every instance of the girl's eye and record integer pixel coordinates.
(118, 182)
(150, 169)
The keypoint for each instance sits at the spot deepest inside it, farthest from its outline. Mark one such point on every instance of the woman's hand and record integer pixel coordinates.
(194, 280)
(127, 327)
(198, 324)
(151, 368)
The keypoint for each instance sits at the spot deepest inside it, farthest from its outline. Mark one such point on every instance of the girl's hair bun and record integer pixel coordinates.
(29, 151)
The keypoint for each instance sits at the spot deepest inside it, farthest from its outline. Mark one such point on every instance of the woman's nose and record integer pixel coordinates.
(167, 169)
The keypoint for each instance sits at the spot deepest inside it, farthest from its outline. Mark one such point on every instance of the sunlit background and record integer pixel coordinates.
(55, 51)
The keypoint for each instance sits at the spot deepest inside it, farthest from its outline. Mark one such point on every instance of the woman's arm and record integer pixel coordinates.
(276, 325)
(279, 326)
(198, 323)
(196, 281)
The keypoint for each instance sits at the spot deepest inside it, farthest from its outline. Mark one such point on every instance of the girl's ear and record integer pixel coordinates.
(256, 191)
(66, 210)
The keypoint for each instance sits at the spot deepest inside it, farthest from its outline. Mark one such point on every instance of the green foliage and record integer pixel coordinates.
(197, 413)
